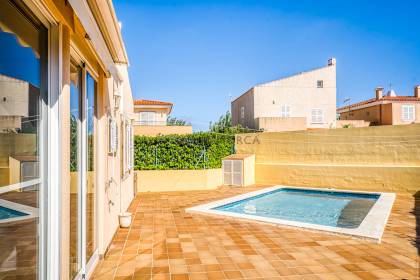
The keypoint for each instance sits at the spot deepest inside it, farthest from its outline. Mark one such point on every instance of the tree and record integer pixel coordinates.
(175, 121)
(224, 125)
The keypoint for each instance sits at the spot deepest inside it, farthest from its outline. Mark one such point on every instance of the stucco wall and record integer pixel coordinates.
(397, 113)
(161, 114)
(382, 158)
(352, 123)
(247, 101)
(384, 114)
(115, 196)
(300, 92)
(370, 114)
(72, 32)
(178, 180)
(20, 144)
(280, 124)
(154, 130)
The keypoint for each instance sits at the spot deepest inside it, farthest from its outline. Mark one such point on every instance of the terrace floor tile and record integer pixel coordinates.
(165, 242)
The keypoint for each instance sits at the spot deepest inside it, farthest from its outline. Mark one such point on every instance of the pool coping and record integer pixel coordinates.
(30, 212)
(372, 226)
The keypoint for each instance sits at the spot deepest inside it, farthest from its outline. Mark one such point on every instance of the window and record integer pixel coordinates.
(408, 113)
(317, 116)
(147, 118)
(242, 112)
(128, 146)
(320, 84)
(285, 111)
(112, 136)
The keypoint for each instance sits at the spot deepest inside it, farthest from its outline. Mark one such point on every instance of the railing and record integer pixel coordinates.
(149, 123)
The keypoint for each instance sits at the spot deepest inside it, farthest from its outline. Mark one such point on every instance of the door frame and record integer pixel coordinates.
(49, 242)
(86, 265)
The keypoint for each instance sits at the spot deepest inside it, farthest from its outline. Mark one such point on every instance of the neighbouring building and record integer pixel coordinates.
(388, 109)
(151, 119)
(303, 101)
(15, 103)
(66, 136)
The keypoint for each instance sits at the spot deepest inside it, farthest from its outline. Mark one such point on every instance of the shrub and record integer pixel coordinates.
(193, 151)
(348, 126)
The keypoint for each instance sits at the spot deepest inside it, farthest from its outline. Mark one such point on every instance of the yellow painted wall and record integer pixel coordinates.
(4, 176)
(281, 124)
(155, 130)
(20, 144)
(352, 123)
(382, 158)
(178, 180)
(350, 177)
(14, 171)
(249, 170)
(90, 179)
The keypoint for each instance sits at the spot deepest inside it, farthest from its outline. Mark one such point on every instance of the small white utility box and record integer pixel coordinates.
(239, 170)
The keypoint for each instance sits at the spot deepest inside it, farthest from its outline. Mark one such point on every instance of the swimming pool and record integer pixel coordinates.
(16, 212)
(362, 214)
(6, 213)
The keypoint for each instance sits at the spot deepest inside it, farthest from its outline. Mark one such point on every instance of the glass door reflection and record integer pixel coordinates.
(82, 170)
(90, 102)
(75, 176)
(23, 52)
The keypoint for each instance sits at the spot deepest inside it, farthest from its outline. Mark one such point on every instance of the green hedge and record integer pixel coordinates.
(194, 151)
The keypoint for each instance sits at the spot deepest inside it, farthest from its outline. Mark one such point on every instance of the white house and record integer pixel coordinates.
(305, 100)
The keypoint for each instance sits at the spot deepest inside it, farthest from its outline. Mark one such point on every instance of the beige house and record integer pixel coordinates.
(14, 102)
(305, 100)
(66, 136)
(151, 119)
(389, 109)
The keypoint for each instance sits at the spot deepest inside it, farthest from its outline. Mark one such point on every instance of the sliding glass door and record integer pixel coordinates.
(82, 171)
(75, 174)
(23, 56)
(90, 195)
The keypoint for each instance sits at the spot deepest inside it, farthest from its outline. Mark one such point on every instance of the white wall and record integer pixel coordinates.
(300, 92)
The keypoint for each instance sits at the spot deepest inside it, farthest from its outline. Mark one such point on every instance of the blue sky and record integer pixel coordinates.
(197, 54)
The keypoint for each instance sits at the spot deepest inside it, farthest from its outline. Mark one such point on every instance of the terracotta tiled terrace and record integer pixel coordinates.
(164, 242)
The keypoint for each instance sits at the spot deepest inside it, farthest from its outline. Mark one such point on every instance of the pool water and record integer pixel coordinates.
(328, 208)
(6, 213)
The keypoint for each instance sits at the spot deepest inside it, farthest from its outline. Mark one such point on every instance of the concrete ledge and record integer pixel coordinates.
(155, 130)
(399, 179)
(178, 180)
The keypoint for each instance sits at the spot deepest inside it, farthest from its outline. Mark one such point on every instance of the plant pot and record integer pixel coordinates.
(125, 219)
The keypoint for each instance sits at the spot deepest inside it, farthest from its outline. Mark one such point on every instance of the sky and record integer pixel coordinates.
(202, 54)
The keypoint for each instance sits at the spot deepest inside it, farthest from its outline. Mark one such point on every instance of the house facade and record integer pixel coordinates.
(384, 109)
(298, 102)
(151, 119)
(66, 136)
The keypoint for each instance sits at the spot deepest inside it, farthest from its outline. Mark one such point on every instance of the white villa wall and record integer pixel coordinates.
(300, 92)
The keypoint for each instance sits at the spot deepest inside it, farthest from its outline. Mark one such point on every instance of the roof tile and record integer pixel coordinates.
(385, 98)
(151, 102)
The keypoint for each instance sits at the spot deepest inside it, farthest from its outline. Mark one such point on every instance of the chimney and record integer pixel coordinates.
(332, 61)
(379, 92)
(417, 91)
